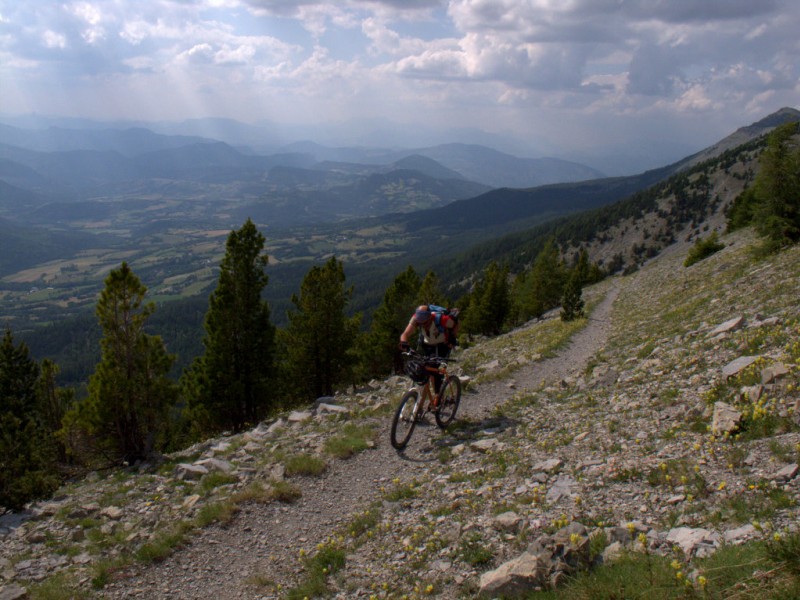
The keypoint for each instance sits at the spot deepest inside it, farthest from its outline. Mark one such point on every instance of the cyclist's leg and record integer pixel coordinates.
(434, 350)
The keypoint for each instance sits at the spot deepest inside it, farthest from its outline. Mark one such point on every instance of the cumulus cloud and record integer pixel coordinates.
(52, 39)
(458, 57)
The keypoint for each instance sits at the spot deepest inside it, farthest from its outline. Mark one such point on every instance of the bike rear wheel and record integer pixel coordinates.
(448, 402)
(405, 419)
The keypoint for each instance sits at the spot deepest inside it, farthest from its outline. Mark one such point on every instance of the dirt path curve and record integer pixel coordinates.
(264, 540)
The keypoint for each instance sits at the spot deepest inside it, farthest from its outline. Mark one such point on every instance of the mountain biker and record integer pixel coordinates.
(437, 339)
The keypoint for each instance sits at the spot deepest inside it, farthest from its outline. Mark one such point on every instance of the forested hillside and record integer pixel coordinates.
(616, 235)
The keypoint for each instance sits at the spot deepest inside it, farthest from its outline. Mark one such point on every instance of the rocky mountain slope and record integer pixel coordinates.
(667, 419)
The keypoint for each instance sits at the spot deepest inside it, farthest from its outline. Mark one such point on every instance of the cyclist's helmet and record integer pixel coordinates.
(422, 314)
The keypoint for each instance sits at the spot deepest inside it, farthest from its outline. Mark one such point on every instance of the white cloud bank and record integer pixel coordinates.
(561, 74)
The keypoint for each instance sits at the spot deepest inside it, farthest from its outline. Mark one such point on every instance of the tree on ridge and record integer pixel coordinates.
(232, 384)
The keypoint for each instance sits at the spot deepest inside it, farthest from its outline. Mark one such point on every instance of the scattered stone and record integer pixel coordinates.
(251, 447)
(325, 408)
(690, 540)
(112, 512)
(773, 373)
(276, 426)
(562, 488)
(508, 521)
(613, 552)
(451, 532)
(220, 448)
(190, 501)
(277, 472)
(487, 445)
(187, 472)
(516, 578)
(735, 367)
(726, 419)
(215, 464)
(13, 592)
(36, 537)
(621, 535)
(552, 465)
(490, 366)
(91, 507)
(753, 392)
(786, 474)
(740, 534)
(728, 326)
(627, 422)
(300, 416)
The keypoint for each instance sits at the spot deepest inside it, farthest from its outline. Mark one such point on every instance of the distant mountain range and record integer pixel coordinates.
(68, 216)
(477, 163)
(136, 179)
(51, 178)
(96, 155)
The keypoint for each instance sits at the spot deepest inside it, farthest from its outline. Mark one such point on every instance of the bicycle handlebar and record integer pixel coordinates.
(414, 354)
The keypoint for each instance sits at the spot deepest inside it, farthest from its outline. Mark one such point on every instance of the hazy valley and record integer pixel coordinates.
(75, 204)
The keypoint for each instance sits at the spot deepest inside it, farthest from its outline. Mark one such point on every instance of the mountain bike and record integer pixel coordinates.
(422, 399)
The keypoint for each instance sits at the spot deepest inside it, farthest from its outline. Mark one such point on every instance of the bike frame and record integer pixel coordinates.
(425, 390)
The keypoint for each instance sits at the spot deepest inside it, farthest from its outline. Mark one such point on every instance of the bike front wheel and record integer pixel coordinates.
(448, 402)
(405, 419)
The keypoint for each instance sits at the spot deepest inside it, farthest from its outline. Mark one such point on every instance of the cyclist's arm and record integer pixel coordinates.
(406, 335)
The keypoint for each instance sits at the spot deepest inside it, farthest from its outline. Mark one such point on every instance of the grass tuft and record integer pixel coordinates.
(353, 439)
(305, 464)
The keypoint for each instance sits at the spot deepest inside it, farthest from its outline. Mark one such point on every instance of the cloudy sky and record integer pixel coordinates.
(556, 73)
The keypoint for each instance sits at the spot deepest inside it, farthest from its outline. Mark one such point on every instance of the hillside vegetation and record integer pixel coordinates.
(622, 445)
(676, 387)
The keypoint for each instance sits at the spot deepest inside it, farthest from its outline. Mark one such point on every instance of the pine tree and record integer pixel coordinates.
(489, 302)
(129, 391)
(27, 458)
(777, 189)
(232, 384)
(320, 338)
(53, 404)
(572, 300)
(582, 268)
(430, 291)
(538, 290)
(389, 321)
